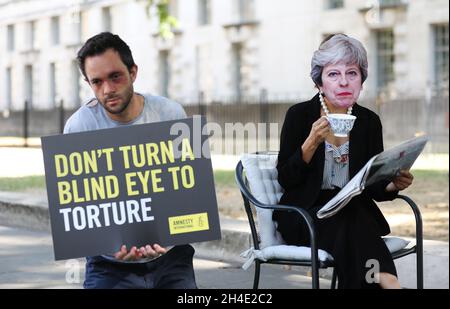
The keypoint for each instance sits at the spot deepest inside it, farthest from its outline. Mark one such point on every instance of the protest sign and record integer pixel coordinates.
(132, 185)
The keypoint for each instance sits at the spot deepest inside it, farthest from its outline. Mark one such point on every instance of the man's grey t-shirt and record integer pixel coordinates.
(92, 116)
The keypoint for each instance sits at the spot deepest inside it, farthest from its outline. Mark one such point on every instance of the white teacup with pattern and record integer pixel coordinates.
(341, 124)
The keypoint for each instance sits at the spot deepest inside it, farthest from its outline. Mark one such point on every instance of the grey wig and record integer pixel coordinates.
(340, 48)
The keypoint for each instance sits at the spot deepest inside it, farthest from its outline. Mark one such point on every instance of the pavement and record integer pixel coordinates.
(26, 253)
(27, 262)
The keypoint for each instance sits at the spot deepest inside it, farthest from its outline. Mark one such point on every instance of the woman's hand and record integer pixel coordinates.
(400, 182)
(319, 131)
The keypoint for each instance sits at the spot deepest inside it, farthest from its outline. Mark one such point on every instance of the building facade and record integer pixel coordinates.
(222, 50)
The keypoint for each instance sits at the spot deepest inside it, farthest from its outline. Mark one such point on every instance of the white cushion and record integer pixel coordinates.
(262, 177)
(395, 244)
(300, 253)
(283, 252)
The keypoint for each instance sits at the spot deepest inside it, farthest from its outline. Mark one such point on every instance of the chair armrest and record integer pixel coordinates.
(302, 212)
(417, 214)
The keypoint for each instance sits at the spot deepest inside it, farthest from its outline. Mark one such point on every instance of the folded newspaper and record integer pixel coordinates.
(385, 165)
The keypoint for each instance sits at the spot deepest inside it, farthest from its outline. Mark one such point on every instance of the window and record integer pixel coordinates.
(10, 38)
(78, 26)
(385, 57)
(335, 4)
(28, 85)
(173, 8)
(203, 78)
(107, 19)
(164, 73)
(74, 28)
(33, 35)
(204, 12)
(76, 84)
(244, 10)
(237, 71)
(30, 37)
(440, 38)
(52, 84)
(8, 88)
(55, 30)
(391, 2)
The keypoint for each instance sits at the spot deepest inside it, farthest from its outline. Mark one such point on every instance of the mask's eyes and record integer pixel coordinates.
(333, 75)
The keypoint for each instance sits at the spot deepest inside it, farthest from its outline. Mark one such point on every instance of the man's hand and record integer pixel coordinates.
(400, 182)
(152, 251)
(135, 254)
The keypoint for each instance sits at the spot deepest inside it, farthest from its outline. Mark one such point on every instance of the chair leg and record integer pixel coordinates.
(419, 265)
(315, 275)
(333, 279)
(257, 271)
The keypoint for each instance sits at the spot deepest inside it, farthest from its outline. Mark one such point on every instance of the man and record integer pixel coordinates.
(108, 67)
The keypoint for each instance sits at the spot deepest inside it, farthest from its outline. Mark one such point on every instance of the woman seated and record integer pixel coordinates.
(313, 165)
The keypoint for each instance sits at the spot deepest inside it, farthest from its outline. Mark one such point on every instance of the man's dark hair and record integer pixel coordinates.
(101, 42)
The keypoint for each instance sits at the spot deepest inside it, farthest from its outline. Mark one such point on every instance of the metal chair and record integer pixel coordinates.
(312, 259)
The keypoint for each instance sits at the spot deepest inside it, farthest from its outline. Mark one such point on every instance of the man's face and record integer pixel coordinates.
(110, 80)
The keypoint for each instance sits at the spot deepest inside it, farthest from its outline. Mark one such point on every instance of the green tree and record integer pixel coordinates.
(167, 23)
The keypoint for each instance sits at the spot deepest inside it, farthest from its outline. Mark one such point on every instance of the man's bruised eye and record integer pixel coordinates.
(116, 77)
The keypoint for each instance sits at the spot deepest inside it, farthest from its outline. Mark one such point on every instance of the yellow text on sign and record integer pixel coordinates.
(188, 223)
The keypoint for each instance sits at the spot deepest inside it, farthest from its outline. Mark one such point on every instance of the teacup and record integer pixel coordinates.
(341, 124)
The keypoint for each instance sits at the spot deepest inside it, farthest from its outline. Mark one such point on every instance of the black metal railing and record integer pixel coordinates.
(401, 118)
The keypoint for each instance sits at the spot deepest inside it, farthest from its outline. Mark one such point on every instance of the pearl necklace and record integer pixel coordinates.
(325, 108)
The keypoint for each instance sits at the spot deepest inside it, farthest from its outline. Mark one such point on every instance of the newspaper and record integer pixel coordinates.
(385, 165)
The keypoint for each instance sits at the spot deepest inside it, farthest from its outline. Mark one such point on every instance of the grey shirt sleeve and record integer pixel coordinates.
(167, 109)
(82, 120)
(72, 125)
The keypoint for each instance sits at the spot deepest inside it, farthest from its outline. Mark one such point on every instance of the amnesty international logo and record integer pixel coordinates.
(189, 223)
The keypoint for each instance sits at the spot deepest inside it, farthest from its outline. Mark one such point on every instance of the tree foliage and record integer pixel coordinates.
(166, 22)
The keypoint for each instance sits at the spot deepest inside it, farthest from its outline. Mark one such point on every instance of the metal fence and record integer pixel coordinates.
(402, 119)
(28, 123)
